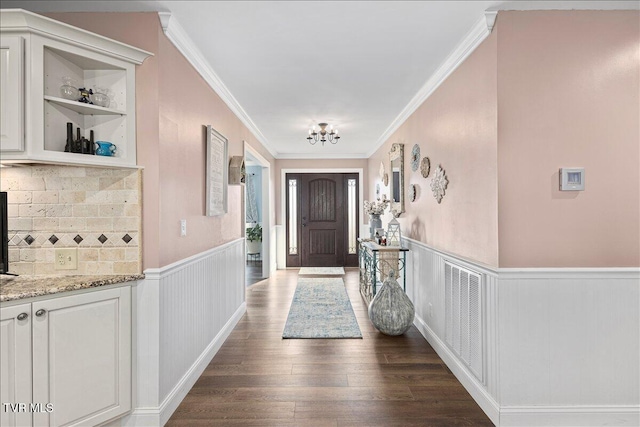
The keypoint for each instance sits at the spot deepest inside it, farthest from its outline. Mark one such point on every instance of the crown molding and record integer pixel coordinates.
(19, 21)
(480, 31)
(176, 34)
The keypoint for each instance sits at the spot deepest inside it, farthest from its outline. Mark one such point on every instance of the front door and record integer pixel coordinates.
(322, 220)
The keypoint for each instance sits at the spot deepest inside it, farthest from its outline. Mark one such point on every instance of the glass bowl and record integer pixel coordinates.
(69, 89)
(100, 99)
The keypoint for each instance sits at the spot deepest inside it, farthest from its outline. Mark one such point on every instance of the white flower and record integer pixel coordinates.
(375, 207)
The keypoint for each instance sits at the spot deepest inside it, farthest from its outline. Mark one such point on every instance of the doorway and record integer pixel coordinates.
(257, 198)
(322, 219)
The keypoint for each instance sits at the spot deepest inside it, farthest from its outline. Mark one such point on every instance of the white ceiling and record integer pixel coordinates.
(292, 64)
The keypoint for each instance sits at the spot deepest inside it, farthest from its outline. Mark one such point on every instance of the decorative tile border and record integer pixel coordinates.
(83, 240)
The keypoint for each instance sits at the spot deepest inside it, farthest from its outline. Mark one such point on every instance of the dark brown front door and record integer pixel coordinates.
(321, 220)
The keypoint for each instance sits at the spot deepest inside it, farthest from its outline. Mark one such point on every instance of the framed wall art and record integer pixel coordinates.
(217, 172)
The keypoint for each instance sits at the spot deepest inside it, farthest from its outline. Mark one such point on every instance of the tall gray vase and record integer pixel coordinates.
(391, 310)
(374, 222)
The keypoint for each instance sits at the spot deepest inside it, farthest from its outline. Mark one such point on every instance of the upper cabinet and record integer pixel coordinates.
(44, 64)
(11, 93)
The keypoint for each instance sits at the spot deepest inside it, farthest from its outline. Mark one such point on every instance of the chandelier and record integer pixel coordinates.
(323, 135)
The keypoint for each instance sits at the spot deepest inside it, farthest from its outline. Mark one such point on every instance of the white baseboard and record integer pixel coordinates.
(570, 416)
(159, 416)
(468, 380)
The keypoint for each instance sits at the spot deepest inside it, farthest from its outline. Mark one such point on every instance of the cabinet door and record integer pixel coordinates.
(82, 357)
(11, 93)
(15, 365)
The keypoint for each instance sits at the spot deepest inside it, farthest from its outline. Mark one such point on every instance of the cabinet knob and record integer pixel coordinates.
(22, 316)
(41, 312)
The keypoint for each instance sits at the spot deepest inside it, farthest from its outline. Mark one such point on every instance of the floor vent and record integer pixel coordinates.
(463, 316)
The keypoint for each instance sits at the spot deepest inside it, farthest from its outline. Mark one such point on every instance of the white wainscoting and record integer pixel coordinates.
(182, 315)
(273, 249)
(569, 346)
(426, 288)
(561, 347)
(281, 260)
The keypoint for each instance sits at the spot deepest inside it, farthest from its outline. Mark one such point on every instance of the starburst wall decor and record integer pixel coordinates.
(439, 183)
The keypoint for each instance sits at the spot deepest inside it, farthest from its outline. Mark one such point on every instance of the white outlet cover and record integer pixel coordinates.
(66, 259)
(183, 227)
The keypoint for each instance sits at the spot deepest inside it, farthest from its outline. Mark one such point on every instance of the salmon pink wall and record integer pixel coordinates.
(456, 127)
(569, 96)
(173, 106)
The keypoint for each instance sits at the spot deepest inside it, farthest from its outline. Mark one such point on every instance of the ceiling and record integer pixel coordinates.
(288, 65)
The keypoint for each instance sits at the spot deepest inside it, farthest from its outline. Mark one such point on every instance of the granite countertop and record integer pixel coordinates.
(14, 288)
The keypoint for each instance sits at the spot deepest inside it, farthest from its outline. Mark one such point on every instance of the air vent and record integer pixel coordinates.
(463, 315)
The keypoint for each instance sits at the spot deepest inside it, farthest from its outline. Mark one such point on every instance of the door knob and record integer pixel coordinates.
(304, 225)
(41, 312)
(22, 316)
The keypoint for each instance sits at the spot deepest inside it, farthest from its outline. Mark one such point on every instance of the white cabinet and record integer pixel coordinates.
(53, 51)
(79, 362)
(11, 93)
(15, 364)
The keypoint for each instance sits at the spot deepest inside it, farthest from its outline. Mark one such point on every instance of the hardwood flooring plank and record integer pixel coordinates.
(236, 410)
(236, 381)
(297, 394)
(248, 369)
(370, 368)
(381, 380)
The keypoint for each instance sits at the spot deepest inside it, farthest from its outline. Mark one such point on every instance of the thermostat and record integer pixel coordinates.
(571, 179)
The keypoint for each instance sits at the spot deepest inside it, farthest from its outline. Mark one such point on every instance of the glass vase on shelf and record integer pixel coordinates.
(69, 89)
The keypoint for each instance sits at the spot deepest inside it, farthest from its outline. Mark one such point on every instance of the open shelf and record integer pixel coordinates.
(45, 55)
(82, 108)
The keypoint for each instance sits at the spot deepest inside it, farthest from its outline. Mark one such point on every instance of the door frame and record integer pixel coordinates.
(283, 201)
(268, 256)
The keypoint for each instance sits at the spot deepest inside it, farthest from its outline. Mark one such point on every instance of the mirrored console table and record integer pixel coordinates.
(375, 262)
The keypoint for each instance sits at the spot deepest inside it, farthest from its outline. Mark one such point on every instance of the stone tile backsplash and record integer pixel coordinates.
(96, 210)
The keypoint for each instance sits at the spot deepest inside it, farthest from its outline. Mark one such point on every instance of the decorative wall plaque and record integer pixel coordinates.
(217, 175)
(381, 172)
(413, 192)
(425, 167)
(439, 183)
(415, 157)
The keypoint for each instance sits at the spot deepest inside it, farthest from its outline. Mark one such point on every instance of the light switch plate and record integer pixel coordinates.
(66, 259)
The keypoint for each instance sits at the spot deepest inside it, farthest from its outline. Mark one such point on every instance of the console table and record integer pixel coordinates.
(374, 262)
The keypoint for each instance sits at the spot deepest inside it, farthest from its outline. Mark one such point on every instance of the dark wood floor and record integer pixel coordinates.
(253, 272)
(259, 379)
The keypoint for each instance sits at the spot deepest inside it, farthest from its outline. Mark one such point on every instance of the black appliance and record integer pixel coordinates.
(4, 243)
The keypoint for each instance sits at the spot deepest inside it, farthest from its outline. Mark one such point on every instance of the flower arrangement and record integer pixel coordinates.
(376, 207)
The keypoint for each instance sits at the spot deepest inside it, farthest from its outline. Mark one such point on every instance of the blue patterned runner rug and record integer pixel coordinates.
(321, 309)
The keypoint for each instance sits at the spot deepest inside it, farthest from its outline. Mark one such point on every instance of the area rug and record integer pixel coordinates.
(321, 271)
(321, 309)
